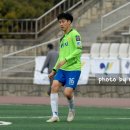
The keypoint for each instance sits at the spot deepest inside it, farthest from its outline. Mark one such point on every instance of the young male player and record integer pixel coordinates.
(68, 67)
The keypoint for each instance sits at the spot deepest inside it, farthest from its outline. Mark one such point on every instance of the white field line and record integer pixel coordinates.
(44, 117)
(119, 118)
(5, 123)
(127, 108)
(24, 117)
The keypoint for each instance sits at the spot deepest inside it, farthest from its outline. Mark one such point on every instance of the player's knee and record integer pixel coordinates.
(67, 94)
(54, 89)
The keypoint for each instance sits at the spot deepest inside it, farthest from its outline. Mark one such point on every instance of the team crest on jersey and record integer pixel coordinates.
(77, 38)
(78, 43)
(69, 39)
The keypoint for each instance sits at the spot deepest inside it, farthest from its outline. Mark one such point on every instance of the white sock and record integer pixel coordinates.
(54, 104)
(71, 104)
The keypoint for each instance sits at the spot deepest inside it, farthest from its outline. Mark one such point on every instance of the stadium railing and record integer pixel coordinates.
(115, 19)
(22, 61)
(33, 27)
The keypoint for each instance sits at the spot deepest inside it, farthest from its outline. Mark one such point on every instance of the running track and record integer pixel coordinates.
(80, 101)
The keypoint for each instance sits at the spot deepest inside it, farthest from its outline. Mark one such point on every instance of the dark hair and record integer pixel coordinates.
(50, 46)
(66, 16)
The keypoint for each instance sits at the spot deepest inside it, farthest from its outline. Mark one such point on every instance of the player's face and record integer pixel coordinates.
(64, 24)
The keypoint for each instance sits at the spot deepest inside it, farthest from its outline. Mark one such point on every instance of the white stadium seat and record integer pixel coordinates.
(104, 50)
(114, 50)
(123, 50)
(129, 52)
(95, 50)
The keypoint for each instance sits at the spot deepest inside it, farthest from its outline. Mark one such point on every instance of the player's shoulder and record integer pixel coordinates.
(75, 32)
(76, 35)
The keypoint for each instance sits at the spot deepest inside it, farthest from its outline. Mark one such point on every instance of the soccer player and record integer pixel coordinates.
(68, 67)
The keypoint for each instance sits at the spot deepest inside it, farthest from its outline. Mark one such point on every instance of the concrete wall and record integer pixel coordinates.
(10, 46)
(23, 87)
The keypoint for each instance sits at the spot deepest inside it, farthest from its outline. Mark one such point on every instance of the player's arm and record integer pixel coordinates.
(53, 72)
(51, 75)
(55, 67)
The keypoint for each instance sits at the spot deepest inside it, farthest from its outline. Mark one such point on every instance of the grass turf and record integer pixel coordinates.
(33, 117)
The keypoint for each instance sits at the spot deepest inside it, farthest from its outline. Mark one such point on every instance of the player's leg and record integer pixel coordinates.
(54, 101)
(72, 78)
(68, 92)
(49, 89)
(57, 83)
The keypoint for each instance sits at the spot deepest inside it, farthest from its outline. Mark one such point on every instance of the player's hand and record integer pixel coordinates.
(51, 75)
(61, 63)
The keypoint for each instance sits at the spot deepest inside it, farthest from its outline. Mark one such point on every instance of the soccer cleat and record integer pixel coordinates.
(71, 115)
(53, 119)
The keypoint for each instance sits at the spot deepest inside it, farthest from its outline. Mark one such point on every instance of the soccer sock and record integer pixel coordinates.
(71, 103)
(54, 104)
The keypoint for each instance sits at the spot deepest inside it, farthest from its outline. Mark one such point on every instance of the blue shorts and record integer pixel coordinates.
(68, 78)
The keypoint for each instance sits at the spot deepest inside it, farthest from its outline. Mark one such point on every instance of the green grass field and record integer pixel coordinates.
(33, 117)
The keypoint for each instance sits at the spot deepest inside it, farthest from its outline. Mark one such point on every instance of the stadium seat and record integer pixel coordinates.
(114, 50)
(95, 50)
(104, 50)
(94, 53)
(123, 50)
(129, 52)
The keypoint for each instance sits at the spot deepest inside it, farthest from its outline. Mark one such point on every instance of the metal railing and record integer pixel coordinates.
(31, 28)
(115, 18)
(19, 62)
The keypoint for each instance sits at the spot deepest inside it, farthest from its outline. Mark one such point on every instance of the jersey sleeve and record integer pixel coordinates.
(55, 69)
(76, 39)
